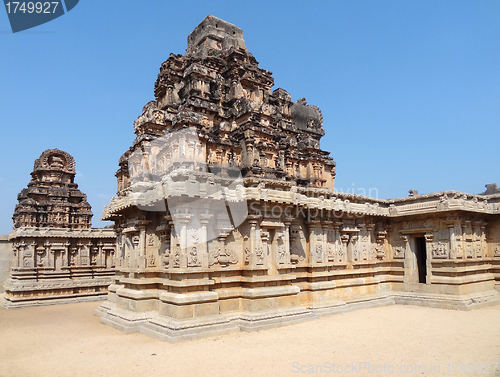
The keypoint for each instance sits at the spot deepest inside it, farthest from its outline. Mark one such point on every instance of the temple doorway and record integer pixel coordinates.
(421, 255)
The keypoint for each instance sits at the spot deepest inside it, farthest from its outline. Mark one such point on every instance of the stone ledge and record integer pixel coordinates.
(174, 330)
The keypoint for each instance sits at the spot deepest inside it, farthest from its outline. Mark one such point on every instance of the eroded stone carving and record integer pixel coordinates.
(54, 239)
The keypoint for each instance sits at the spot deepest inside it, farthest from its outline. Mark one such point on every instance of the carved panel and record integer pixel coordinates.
(439, 250)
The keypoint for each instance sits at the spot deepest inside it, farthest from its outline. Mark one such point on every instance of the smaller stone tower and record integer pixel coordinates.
(57, 257)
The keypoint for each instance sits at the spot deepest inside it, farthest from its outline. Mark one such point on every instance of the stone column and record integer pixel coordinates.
(17, 251)
(184, 221)
(314, 256)
(353, 248)
(409, 261)
(484, 250)
(361, 247)
(464, 242)
(476, 239)
(344, 249)
(49, 253)
(65, 255)
(288, 223)
(369, 231)
(100, 258)
(325, 226)
(429, 238)
(453, 242)
(264, 257)
(204, 221)
(254, 234)
(174, 246)
(141, 252)
(337, 241)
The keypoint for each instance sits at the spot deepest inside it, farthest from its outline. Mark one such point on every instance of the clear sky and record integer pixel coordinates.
(409, 90)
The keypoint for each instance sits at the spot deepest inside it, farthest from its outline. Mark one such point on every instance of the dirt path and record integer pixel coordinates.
(68, 340)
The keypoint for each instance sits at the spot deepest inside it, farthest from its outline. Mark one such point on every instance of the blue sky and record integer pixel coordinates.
(409, 90)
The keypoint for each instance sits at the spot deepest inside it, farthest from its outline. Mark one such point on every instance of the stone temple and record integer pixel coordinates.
(57, 257)
(227, 218)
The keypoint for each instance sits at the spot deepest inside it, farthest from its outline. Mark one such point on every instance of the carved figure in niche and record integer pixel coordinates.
(151, 260)
(468, 249)
(319, 252)
(331, 252)
(281, 253)
(439, 250)
(233, 257)
(379, 249)
(151, 240)
(135, 240)
(193, 257)
(213, 257)
(259, 253)
(176, 260)
(497, 251)
(56, 161)
(399, 252)
(247, 254)
(364, 252)
(165, 260)
(341, 254)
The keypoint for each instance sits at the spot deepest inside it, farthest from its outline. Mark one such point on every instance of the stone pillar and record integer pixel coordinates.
(18, 260)
(263, 254)
(337, 241)
(141, 252)
(65, 255)
(344, 250)
(353, 248)
(325, 226)
(453, 242)
(49, 253)
(362, 249)
(409, 261)
(371, 251)
(100, 258)
(223, 257)
(484, 245)
(204, 221)
(14, 262)
(464, 242)
(476, 239)
(286, 230)
(315, 250)
(256, 250)
(174, 246)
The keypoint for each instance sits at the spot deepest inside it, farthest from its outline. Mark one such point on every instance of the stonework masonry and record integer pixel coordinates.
(5, 257)
(56, 256)
(226, 215)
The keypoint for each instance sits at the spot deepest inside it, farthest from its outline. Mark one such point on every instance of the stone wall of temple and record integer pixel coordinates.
(5, 257)
(56, 256)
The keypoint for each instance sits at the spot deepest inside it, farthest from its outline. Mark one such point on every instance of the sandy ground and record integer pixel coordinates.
(68, 340)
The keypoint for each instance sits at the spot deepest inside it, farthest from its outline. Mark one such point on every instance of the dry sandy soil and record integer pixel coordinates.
(68, 340)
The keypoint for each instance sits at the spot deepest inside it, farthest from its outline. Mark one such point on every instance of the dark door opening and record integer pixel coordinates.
(421, 255)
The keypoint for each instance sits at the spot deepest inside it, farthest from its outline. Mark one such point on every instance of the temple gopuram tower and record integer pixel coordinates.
(227, 218)
(57, 256)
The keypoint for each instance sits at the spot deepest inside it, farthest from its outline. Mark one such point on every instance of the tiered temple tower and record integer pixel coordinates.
(226, 214)
(57, 256)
